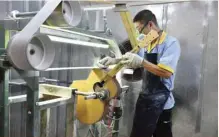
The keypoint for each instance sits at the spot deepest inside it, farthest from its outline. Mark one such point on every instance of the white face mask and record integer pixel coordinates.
(140, 37)
(141, 40)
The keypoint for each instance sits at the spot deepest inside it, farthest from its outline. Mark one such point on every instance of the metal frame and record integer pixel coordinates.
(4, 79)
(109, 4)
(33, 114)
(4, 108)
(37, 110)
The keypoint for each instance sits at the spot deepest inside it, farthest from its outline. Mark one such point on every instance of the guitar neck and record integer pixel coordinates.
(152, 35)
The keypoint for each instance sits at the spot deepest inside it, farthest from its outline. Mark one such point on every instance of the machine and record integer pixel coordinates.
(30, 51)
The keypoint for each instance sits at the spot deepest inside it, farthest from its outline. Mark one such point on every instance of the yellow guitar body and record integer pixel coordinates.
(92, 110)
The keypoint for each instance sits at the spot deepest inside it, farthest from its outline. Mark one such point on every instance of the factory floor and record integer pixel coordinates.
(183, 125)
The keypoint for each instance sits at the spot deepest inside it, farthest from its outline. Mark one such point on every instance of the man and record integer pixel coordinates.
(159, 60)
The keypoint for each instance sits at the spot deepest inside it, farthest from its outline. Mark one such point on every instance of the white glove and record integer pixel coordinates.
(132, 60)
(105, 62)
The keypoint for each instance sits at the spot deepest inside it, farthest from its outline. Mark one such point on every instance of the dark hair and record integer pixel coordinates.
(145, 16)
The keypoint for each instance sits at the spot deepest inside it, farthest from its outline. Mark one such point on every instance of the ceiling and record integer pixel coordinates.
(110, 3)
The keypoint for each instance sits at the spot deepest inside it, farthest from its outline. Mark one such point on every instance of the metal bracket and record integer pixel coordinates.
(120, 8)
(14, 24)
(4, 63)
(58, 91)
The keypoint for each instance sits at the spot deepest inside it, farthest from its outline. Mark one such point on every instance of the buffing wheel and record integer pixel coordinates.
(36, 54)
(92, 110)
(68, 13)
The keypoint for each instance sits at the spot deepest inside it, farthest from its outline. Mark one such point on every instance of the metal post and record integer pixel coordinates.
(117, 115)
(70, 114)
(4, 78)
(27, 14)
(23, 110)
(69, 120)
(33, 113)
(43, 123)
(4, 106)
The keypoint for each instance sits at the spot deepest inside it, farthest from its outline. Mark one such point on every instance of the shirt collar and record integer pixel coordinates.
(157, 42)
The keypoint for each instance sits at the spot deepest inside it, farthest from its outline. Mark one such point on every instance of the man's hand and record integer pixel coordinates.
(132, 60)
(105, 62)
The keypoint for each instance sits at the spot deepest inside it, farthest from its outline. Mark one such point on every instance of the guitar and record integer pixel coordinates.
(92, 110)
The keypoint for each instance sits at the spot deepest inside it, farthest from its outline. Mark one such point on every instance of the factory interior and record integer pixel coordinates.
(51, 85)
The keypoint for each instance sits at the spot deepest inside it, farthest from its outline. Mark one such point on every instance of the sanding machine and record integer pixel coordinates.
(30, 51)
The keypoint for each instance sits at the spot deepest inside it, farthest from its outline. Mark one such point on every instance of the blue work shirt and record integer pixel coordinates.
(168, 49)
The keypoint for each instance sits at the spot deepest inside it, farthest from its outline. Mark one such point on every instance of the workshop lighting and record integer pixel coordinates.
(99, 8)
(78, 42)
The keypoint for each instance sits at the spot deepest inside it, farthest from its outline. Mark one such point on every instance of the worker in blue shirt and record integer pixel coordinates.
(159, 60)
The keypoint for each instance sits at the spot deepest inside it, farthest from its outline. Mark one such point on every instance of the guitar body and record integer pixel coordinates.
(92, 110)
